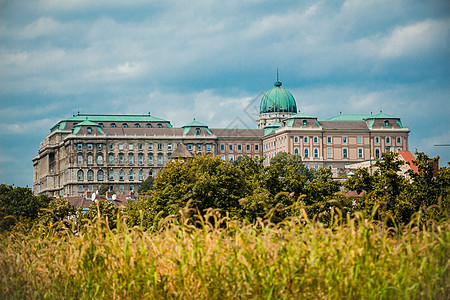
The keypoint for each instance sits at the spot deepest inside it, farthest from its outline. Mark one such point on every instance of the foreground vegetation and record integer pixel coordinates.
(224, 259)
(206, 229)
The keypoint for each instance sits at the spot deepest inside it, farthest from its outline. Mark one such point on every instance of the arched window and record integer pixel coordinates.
(197, 131)
(377, 153)
(124, 125)
(149, 125)
(80, 159)
(113, 125)
(296, 151)
(306, 153)
(100, 175)
(150, 159)
(100, 159)
(141, 159)
(160, 159)
(399, 140)
(80, 175)
(121, 159)
(316, 139)
(90, 175)
(130, 159)
(388, 140)
(159, 125)
(141, 175)
(111, 175)
(90, 159)
(89, 130)
(121, 175)
(316, 152)
(111, 159)
(305, 139)
(150, 173)
(296, 139)
(386, 123)
(130, 174)
(137, 125)
(305, 122)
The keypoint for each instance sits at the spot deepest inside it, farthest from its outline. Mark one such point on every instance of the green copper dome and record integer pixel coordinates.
(278, 99)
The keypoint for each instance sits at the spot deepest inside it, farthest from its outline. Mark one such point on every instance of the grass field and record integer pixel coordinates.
(297, 259)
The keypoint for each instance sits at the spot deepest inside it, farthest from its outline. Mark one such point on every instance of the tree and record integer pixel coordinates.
(146, 185)
(57, 211)
(101, 210)
(103, 189)
(19, 204)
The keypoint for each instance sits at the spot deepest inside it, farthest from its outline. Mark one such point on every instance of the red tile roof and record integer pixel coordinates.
(407, 156)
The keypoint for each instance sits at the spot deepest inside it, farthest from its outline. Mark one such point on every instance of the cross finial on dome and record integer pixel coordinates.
(277, 75)
(278, 82)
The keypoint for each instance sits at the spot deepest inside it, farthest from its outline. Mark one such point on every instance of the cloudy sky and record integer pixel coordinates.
(213, 60)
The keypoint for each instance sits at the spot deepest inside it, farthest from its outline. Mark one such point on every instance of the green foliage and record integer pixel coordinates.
(103, 189)
(146, 185)
(101, 210)
(355, 258)
(57, 211)
(19, 204)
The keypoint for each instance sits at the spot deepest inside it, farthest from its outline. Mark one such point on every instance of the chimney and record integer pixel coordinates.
(88, 195)
(108, 195)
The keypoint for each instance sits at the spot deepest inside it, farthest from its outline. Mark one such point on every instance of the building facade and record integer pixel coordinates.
(86, 151)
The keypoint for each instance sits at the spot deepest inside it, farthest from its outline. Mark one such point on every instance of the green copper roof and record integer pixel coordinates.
(300, 116)
(278, 99)
(116, 118)
(382, 115)
(77, 127)
(187, 128)
(350, 117)
(271, 127)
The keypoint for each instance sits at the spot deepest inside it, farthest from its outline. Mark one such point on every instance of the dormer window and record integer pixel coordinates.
(89, 130)
(386, 123)
(149, 125)
(305, 123)
(137, 125)
(113, 125)
(197, 131)
(159, 126)
(124, 125)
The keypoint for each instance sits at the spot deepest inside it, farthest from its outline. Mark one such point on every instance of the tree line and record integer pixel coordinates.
(248, 190)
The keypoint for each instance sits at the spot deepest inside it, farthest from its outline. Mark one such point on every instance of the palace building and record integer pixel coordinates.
(86, 151)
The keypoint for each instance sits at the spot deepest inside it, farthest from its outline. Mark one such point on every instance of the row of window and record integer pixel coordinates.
(125, 125)
(121, 159)
(231, 157)
(100, 175)
(239, 147)
(91, 188)
(345, 140)
(141, 146)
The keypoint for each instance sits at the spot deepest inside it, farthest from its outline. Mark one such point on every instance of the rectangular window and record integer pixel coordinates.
(130, 146)
(230, 147)
(360, 153)
(141, 159)
(399, 140)
(208, 147)
(131, 188)
(222, 147)
(160, 146)
(388, 140)
(329, 140)
(189, 146)
(223, 157)
(150, 146)
(160, 159)
(130, 159)
(344, 140)
(140, 146)
(230, 157)
(111, 146)
(239, 147)
(120, 146)
(345, 153)
(90, 188)
(89, 146)
(121, 187)
(360, 139)
(377, 140)
(256, 147)
(99, 146)
(111, 175)
(329, 152)
(248, 148)
(199, 147)
(120, 159)
(169, 146)
(80, 188)
(150, 159)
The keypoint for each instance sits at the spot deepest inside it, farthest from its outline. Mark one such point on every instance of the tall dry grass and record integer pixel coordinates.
(223, 259)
